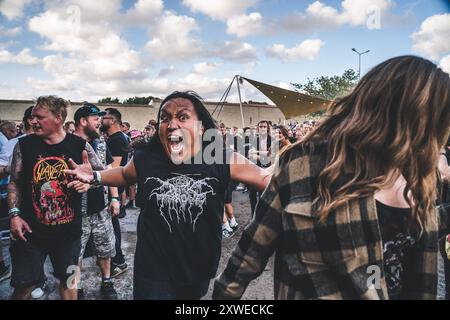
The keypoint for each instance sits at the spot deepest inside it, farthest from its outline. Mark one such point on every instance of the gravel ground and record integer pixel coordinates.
(260, 289)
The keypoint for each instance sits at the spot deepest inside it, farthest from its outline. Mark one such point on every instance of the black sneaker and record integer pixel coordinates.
(118, 269)
(108, 291)
(5, 273)
(122, 212)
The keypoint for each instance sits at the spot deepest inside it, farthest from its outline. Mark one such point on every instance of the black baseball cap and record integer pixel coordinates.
(86, 110)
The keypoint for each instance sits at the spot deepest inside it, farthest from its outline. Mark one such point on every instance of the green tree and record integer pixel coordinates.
(138, 100)
(109, 100)
(329, 87)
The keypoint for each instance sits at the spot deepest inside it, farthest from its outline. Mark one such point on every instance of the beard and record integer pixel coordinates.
(92, 134)
(104, 128)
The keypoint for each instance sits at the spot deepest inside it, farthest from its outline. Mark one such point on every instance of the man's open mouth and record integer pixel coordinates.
(175, 143)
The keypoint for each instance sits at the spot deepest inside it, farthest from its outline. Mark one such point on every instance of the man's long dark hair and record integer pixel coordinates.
(203, 114)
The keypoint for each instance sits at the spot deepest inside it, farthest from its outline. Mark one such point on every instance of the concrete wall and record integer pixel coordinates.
(139, 115)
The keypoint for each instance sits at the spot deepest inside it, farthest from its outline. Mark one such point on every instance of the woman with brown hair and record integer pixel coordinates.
(350, 210)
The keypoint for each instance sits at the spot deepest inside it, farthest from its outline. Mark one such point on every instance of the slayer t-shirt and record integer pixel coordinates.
(48, 206)
(180, 226)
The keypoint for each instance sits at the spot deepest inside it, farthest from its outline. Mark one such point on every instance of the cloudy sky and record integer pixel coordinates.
(84, 49)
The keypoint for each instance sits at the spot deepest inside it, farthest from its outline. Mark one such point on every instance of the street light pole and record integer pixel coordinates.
(359, 56)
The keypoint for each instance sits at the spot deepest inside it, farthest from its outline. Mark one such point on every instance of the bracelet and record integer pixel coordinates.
(115, 199)
(97, 179)
(14, 212)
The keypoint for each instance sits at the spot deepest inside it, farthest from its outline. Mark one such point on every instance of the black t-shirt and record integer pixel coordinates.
(118, 145)
(180, 227)
(398, 245)
(96, 197)
(48, 206)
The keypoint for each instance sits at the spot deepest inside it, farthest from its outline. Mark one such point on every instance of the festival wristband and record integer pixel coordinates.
(97, 179)
(14, 212)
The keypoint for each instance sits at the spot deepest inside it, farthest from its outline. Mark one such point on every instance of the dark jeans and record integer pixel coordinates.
(119, 258)
(146, 289)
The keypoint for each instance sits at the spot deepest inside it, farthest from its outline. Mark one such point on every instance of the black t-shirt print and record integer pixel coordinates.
(398, 244)
(180, 226)
(51, 209)
(118, 145)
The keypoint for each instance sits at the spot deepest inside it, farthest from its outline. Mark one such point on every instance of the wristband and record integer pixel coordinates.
(97, 179)
(115, 199)
(14, 212)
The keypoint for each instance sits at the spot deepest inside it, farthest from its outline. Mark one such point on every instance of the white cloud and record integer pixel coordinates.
(208, 88)
(13, 9)
(88, 46)
(433, 38)
(244, 25)
(363, 13)
(23, 57)
(166, 71)
(308, 49)
(205, 67)
(445, 64)
(357, 12)
(236, 51)
(172, 38)
(144, 12)
(10, 32)
(220, 9)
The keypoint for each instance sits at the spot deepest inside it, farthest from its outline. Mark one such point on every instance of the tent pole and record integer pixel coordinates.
(240, 100)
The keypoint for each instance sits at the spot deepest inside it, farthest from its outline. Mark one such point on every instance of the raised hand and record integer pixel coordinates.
(81, 172)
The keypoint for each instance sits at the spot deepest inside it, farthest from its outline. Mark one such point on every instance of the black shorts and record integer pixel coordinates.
(28, 260)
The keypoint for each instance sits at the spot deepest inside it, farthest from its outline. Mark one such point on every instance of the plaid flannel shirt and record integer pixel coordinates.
(338, 259)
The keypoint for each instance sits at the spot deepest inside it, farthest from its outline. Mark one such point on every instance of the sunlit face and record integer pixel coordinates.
(281, 136)
(107, 121)
(44, 122)
(263, 128)
(150, 131)
(179, 130)
(91, 126)
(125, 128)
(299, 133)
(70, 128)
(223, 130)
(11, 133)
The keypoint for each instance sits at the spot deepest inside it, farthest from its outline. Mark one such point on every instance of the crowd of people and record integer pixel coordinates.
(363, 188)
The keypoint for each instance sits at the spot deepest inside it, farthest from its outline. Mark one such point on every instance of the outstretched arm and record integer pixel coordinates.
(245, 171)
(116, 177)
(258, 242)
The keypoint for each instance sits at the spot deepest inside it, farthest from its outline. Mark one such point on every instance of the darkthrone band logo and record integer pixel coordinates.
(181, 199)
(49, 192)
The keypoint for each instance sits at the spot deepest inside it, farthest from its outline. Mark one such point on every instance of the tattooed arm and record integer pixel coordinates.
(14, 192)
(18, 226)
(93, 158)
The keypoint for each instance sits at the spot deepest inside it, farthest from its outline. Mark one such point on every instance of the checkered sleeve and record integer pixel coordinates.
(257, 244)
